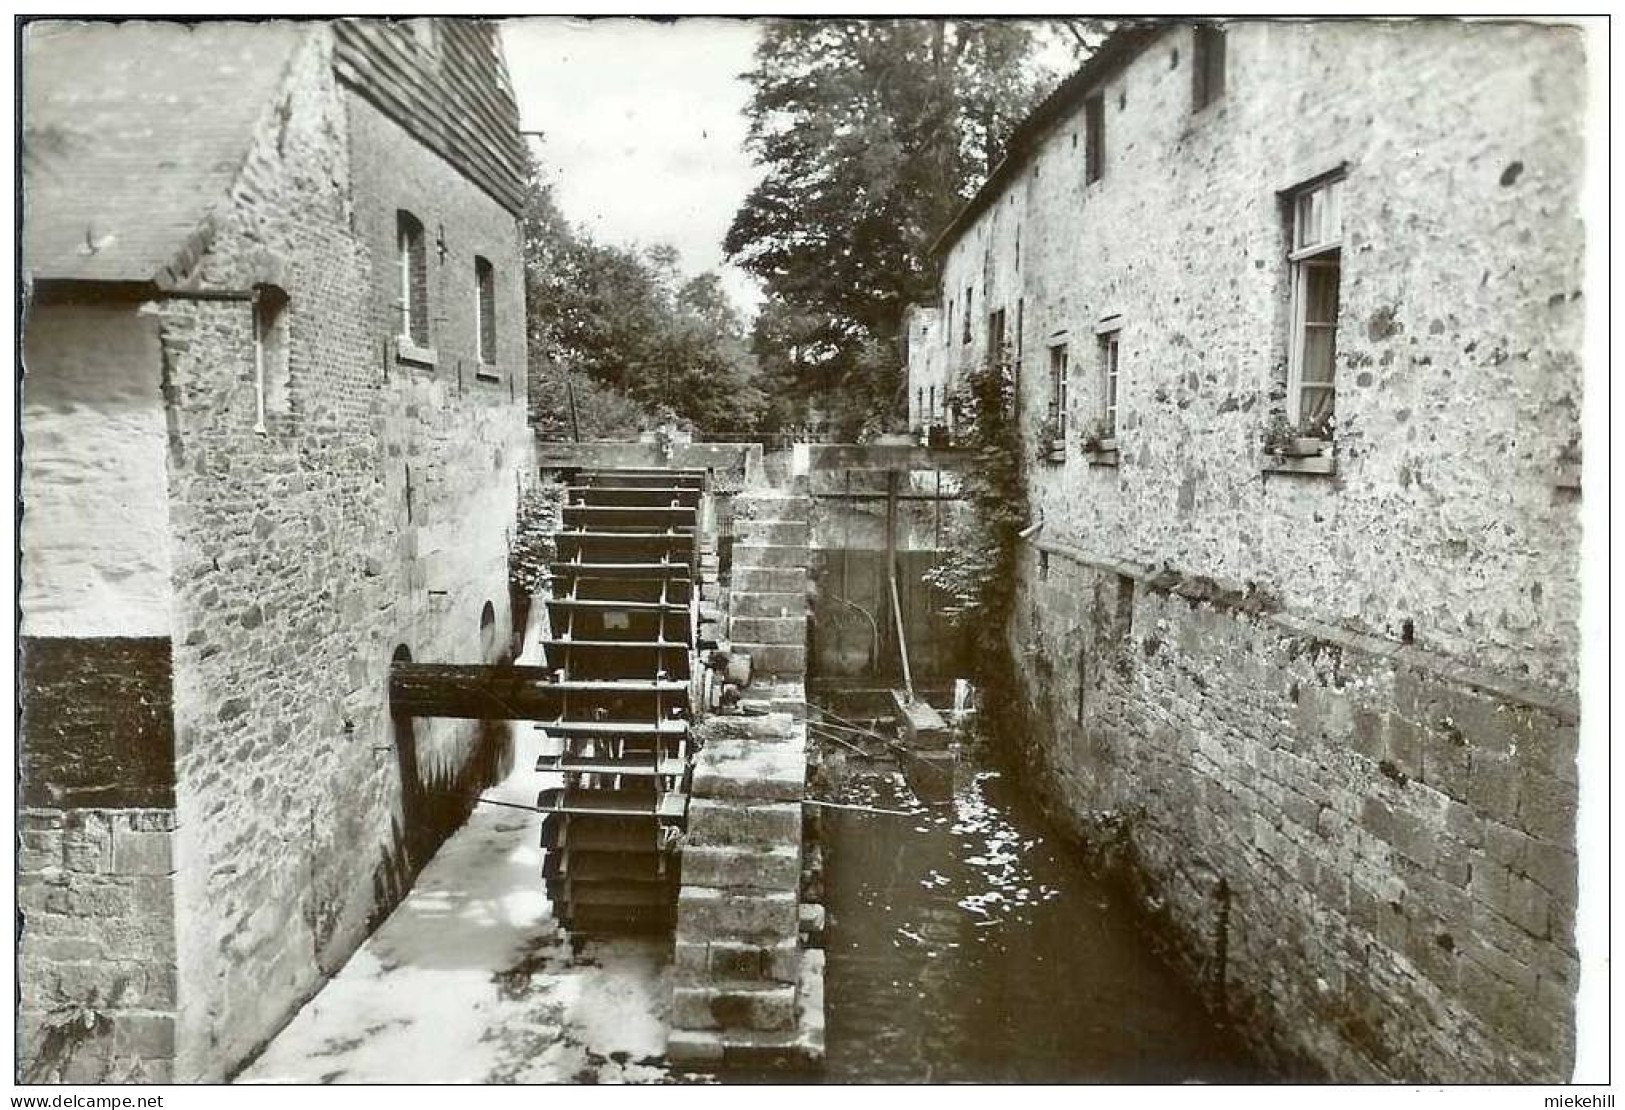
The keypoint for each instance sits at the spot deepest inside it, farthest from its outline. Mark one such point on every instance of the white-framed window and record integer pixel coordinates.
(485, 294)
(1107, 342)
(1058, 373)
(1315, 259)
(413, 265)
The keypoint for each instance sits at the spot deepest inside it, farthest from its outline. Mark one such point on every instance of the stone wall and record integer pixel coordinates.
(1328, 717)
(1362, 851)
(96, 974)
(1457, 345)
(370, 518)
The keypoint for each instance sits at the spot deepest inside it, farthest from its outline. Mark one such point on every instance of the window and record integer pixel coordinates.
(270, 353)
(1015, 374)
(1315, 259)
(414, 279)
(488, 633)
(1057, 388)
(485, 291)
(1207, 66)
(948, 332)
(931, 411)
(970, 295)
(1108, 383)
(919, 405)
(1094, 139)
(995, 331)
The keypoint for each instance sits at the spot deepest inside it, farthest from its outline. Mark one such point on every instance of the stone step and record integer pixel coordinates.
(735, 1004)
(734, 823)
(757, 1050)
(761, 917)
(742, 869)
(776, 580)
(768, 630)
(771, 555)
(700, 959)
(792, 603)
(797, 532)
(764, 772)
(747, 507)
(775, 659)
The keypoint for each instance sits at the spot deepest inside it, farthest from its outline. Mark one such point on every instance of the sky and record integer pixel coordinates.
(644, 129)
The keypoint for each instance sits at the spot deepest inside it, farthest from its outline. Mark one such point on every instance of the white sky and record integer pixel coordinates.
(644, 128)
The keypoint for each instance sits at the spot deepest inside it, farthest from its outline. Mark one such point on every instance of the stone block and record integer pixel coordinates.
(693, 1048)
(732, 822)
(742, 868)
(776, 659)
(781, 532)
(706, 913)
(767, 772)
(697, 960)
(734, 1006)
(775, 580)
(769, 630)
(142, 853)
(771, 555)
(792, 604)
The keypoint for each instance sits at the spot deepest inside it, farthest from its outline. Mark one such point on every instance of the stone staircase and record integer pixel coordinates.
(746, 993)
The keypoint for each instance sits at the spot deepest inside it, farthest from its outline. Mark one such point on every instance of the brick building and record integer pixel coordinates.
(273, 421)
(1295, 311)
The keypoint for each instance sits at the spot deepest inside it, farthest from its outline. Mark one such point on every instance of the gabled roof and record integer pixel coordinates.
(132, 135)
(1118, 49)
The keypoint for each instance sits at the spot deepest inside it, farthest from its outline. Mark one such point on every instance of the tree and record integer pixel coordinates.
(873, 132)
(619, 332)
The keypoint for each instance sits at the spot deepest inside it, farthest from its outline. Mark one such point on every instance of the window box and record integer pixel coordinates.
(1299, 447)
(409, 352)
(1056, 451)
(1102, 452)
(1311, 464)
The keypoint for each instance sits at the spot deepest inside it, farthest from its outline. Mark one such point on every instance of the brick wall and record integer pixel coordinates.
(1342, 768)
(97, 945)
(1363, 852)
(371, 517)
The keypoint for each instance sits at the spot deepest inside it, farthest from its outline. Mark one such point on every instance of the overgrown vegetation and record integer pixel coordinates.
(978, 567)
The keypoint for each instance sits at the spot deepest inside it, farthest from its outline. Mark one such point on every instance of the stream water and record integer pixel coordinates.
(965, 945)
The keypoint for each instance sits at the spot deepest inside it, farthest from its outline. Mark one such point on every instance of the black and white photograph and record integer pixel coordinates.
(804, 549)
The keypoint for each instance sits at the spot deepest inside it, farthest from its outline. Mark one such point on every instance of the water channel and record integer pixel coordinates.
(966, 945)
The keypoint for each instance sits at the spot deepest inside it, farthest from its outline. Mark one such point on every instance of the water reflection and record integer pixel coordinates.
(965, 946)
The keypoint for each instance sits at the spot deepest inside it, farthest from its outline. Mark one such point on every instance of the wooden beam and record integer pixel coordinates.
(494, 693)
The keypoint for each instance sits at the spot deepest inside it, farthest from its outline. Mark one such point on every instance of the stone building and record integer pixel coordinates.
(273, 421)
(1295, 310)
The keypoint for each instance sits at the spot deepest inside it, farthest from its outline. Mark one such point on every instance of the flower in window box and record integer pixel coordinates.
(1284, 439)
(1051, 439)
(1097, 436)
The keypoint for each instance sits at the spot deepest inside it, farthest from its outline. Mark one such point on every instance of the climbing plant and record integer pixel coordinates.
(978, 567)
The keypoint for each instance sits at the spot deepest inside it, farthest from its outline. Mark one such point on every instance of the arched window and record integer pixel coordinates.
(414, 278)
(488, 632)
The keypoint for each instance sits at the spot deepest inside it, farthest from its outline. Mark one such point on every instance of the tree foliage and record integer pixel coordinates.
(622, 332)
(873, 132)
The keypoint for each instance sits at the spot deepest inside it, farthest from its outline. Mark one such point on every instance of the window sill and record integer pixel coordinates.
(409, 352)
(487, 372)
(1567, 476)
(1300, 464)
